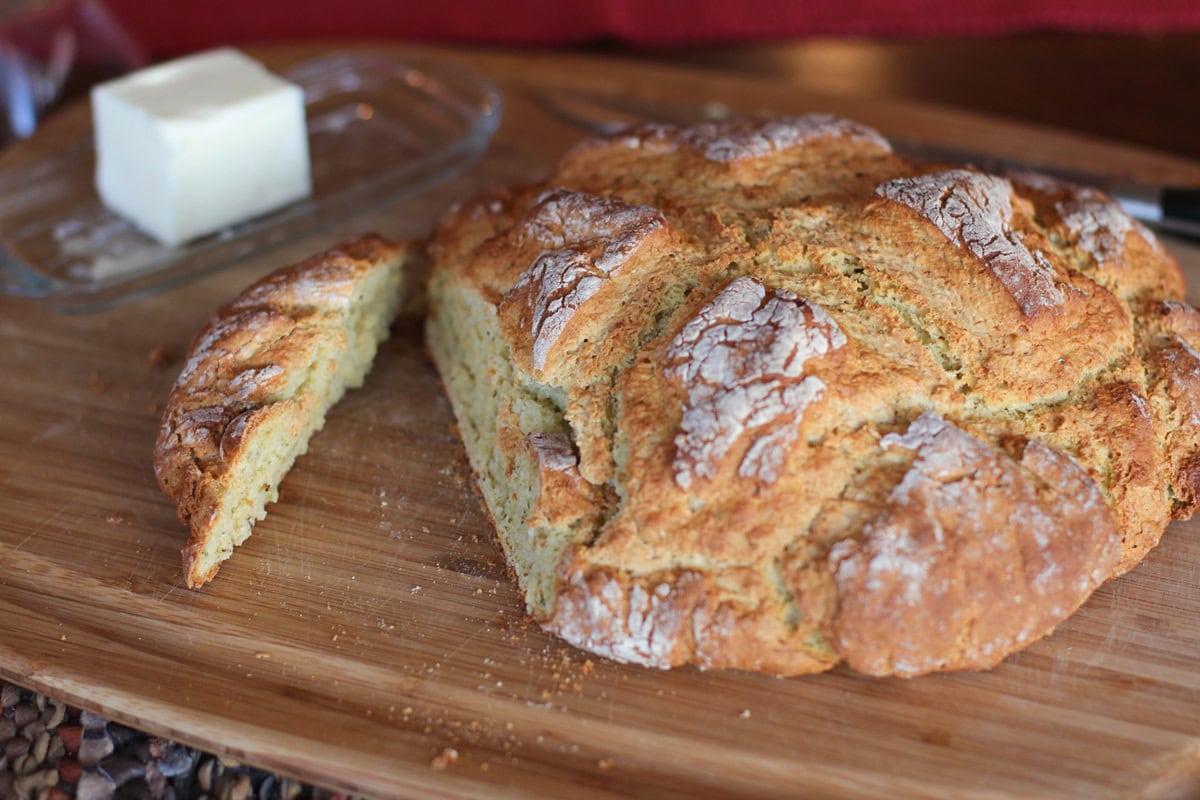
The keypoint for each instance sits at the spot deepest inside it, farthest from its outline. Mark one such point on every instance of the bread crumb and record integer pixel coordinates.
(98, 384)
(158, 357)
(745, 714)
(605, 763)
(443, 759)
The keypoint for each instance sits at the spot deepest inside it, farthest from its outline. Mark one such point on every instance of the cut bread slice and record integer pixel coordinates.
(257, 383)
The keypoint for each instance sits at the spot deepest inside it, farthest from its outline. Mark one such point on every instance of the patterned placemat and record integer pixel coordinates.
(51, 751)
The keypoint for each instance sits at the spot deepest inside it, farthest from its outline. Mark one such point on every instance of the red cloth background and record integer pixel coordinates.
(166, 27)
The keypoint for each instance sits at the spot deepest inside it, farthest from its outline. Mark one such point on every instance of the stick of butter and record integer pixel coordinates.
(186, 148)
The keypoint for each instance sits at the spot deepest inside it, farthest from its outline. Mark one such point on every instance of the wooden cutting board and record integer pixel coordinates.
(367, 637)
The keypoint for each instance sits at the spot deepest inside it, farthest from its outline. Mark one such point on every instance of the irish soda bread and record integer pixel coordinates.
(767, 396)
(257, 383)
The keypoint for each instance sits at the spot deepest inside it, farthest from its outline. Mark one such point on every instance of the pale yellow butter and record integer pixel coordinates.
(189, 147)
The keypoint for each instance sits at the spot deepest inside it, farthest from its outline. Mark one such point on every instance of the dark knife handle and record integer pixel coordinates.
(1180, 211)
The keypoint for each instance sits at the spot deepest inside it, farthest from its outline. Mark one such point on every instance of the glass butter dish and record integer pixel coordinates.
(379, 129)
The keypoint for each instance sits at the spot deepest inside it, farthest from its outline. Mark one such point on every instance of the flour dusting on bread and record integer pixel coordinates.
(735, 140)
(585, 239)
(741, 361)
(975, 211)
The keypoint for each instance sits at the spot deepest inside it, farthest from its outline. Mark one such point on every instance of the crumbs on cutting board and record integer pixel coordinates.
(98, 384)
(159, 357)
(443, 759)
(453, 734)
(489, 741)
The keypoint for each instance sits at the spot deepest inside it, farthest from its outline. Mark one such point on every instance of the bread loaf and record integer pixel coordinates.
(257, 383)
(766, 396)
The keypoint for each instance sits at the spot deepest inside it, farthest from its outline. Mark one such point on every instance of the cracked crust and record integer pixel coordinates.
(740, 362)
(973, 555)
(974, 211)
(804, 402)
(257, 382)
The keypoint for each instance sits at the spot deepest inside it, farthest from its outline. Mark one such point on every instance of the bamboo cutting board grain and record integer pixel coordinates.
(367, 636)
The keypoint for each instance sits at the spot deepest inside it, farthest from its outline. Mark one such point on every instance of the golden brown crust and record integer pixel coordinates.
(973, 555)
(565, 497)
(1171, 341)
(832, 405)
(1111, 248)
(242, 375)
